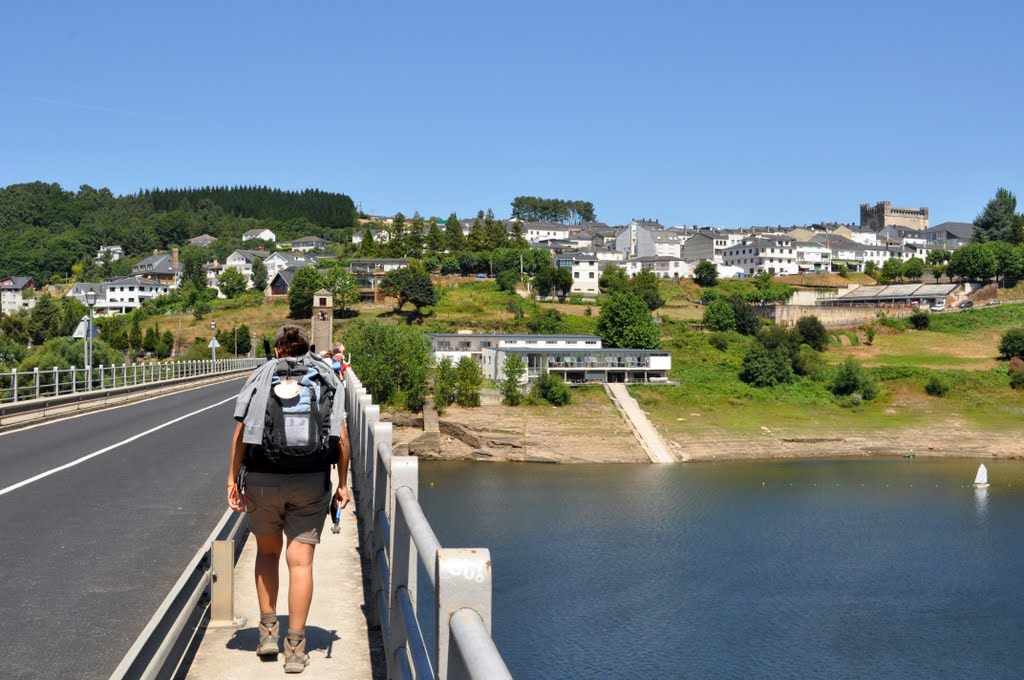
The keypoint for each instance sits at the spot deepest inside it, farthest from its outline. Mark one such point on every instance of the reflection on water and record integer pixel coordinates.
(880, 568)
(981, 502)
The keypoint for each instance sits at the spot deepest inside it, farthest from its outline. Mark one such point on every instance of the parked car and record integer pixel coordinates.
(966, 304)
(992, 303)
(938, 307)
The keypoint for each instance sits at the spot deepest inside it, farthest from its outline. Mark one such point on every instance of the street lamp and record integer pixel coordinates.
(252, 347)
(90, 299)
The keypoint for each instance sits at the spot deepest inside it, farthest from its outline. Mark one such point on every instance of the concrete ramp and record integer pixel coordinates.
(650, 440)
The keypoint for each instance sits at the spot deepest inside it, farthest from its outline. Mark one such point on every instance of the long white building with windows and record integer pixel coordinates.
(576, 359)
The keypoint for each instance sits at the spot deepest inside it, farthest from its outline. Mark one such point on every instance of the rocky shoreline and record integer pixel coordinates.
(496, 434)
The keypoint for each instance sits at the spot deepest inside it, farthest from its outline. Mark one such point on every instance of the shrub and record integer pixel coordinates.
(718, 316)
(851, 379)
(719, 341)
(575, 299)
(746, 321)
(920, 320)
(811, 331)
(764, 367)
(936, 386)
(869, 334)
(1017, 381)
(552, 389)
(1012, 343)
(468, 381)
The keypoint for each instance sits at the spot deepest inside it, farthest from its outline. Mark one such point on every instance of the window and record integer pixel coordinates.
(591, 274)
(323, 302)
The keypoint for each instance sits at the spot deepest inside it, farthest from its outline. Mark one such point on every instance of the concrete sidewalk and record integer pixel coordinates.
(337, 636)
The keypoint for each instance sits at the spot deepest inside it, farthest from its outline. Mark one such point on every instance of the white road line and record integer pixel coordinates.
(61, 417)
(73, 463)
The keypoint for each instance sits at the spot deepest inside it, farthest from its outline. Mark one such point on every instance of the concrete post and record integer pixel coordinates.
(404, 474)
(35, 380)
(463, 582)
(222, 586)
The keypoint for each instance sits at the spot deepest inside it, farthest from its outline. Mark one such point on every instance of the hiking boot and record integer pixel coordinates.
(295, 658)
(268, 640)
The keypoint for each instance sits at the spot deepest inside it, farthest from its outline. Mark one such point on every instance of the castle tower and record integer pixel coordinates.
(322, 323)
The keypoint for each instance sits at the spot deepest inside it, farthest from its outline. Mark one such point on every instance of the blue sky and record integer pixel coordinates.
(726, 113)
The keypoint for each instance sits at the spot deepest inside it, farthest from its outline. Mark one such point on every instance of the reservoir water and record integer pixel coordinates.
(852, 568)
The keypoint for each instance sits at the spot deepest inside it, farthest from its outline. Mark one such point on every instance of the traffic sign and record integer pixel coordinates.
(213, 343)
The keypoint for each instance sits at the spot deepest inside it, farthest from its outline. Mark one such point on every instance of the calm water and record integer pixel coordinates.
(832, 569)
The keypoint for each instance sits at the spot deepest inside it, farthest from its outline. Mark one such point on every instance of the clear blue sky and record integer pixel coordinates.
(727, 113)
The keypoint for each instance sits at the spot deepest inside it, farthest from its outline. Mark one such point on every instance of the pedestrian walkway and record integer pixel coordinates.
(337, 637)
(650, 439)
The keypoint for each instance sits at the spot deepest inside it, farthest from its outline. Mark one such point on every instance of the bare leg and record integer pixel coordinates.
(268, 555)
(300, 582)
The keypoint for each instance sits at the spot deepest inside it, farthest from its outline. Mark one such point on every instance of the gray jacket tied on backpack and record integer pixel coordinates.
(251, 405)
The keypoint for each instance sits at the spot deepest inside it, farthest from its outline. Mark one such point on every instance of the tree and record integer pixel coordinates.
(231, 282)
(1012, 344)
(613, 280)
(913, 268)
(744, 318)
(468, 381)
(645, 286)
(344, 289)
(920, 320)
(719, 316)
(150, 340)
(192, 272)
(563, 282)
(892, 269)
(259, 274)
(764, 367)
(444, 384)
(435, 239)
(535, 209)
(511, 386)
(972, 261)
(135, 334)
(455, 240)
(705, 274)
(507, 280)
(851, 379)
(393, 362)
(545, 322)
(871, 269)
(306, 282)
(409, 285)
(71, 312)
(810, 331)
(626, 322)
(45, 320)
(1007, 257)
(999, 220)
(544, 281)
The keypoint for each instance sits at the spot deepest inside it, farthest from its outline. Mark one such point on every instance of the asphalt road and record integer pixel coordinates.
(89, 552)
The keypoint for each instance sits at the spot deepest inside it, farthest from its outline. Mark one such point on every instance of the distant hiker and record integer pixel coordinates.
(291, 417)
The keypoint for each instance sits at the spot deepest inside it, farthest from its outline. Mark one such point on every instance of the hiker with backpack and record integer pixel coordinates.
(290, 431)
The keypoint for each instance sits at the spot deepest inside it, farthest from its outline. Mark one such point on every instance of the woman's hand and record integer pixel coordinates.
(235, 500)
(342, 496)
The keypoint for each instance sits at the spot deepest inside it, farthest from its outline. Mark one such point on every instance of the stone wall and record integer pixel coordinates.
(833, 317)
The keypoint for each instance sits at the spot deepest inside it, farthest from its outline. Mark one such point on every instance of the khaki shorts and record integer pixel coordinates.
(297, 504)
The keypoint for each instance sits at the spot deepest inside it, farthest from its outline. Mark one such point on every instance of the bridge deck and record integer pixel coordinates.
(337, 638)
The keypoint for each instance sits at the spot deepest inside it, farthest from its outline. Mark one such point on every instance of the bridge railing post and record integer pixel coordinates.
(403, 558)
(463, 583)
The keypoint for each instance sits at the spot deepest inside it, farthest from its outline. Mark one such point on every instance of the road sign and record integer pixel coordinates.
(213, 343)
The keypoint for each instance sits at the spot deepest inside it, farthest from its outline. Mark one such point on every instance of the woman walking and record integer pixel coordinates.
(290, 430)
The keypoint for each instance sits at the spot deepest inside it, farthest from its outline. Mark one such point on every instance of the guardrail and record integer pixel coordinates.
(165, 641)
(21, 386)
(396, 534)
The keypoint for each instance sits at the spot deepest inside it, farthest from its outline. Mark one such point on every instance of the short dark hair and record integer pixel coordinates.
(291, 341)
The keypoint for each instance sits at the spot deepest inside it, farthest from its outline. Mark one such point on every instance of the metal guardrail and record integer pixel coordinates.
(48, 387)
(165, 641)
(397, 534)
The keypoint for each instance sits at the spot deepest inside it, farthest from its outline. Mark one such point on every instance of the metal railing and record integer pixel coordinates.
(396, 534)
(18, 386)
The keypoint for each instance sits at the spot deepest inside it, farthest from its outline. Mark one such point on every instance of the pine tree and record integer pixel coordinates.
(455, 240)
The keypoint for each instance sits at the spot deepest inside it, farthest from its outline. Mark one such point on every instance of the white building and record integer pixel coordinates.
(119, 296)
(262, 234)
(115, 253)
(545, 231)
(663, 267)
(13, 297)
(575, 358)
(710, 245)
(812, 257)
(242, 261)
(283, 260)
(774, 255)
(637, 239)
(585, 271)
(308, 243)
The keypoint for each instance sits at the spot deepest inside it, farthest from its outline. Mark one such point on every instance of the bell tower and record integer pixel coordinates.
(322, 324)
